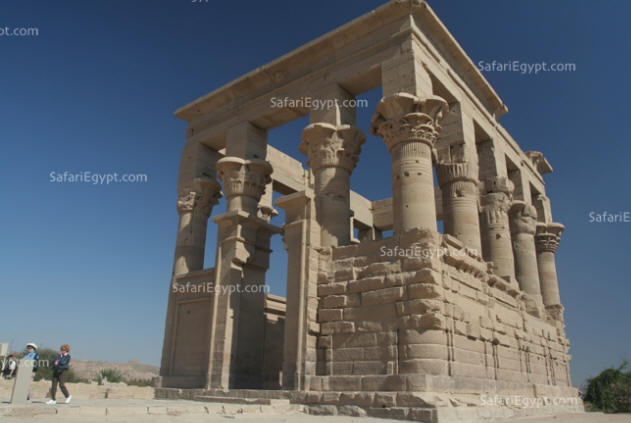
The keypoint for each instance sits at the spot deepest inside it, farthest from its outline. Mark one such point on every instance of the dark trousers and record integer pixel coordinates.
(59, 378)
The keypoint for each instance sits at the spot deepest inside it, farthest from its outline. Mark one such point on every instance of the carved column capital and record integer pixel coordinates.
(555, 311)
(548, 236)
(404, 117)
(327, 145)
(460, 177)
(205, 194)
(499, 184)
(495, 206)
(244, 177)
(267, 213)
(523, 218)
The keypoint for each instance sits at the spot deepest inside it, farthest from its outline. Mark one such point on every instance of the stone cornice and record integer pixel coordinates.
(276, 73)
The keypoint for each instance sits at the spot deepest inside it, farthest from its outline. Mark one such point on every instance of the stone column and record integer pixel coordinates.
(194, 209)
(238, 320)
(198, 192)
(333, 152)
(297, 229)
(266, 210)
(409, 126)
(523, 224)
(547, 240)
(459, 186)
(496, 235)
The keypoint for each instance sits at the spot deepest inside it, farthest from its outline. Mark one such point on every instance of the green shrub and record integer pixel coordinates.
(610, 391)
(46, 358)
(138, 382)
(111, 375)
(71, 377)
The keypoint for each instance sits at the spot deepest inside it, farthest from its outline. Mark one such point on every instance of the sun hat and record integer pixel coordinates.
(30, 344)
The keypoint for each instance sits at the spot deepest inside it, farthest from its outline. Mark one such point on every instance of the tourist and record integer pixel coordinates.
(31, 354)
(60, 367)
(9, 370)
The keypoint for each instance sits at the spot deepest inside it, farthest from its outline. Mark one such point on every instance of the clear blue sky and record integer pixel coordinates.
(89, 264)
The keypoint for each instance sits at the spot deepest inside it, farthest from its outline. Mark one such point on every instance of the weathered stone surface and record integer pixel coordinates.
(401, 327)
(381, 296)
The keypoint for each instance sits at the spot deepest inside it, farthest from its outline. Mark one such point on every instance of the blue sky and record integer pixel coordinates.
(89, 265)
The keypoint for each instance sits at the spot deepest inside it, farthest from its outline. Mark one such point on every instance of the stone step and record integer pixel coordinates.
(247, 393)
(237, 400)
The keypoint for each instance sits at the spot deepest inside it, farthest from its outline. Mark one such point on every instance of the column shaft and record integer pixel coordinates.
(409, 126)
(523, 221)
(461, 218)
(242, 258)
(497, 245)
(333, 152)
(413, 186)
(194, 209)
(298, 213)
(548, 276)
(333, 204)
(547, 241)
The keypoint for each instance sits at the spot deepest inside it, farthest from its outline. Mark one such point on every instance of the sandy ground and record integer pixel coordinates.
(40, 389)
(224, 413)
(199, 418)
(575, 418)
(294, 418)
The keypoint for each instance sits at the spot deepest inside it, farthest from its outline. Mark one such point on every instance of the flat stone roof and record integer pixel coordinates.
(273, 74)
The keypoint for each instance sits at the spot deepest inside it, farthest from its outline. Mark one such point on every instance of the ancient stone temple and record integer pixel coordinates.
(418, 325)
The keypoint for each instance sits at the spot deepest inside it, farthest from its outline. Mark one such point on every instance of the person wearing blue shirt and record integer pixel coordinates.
(60, 365)
(31, 352)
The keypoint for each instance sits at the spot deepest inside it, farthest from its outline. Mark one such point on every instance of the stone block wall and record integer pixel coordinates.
(275, 309)
(421, 313)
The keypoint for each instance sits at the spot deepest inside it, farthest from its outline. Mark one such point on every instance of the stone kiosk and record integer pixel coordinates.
(453, 332)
